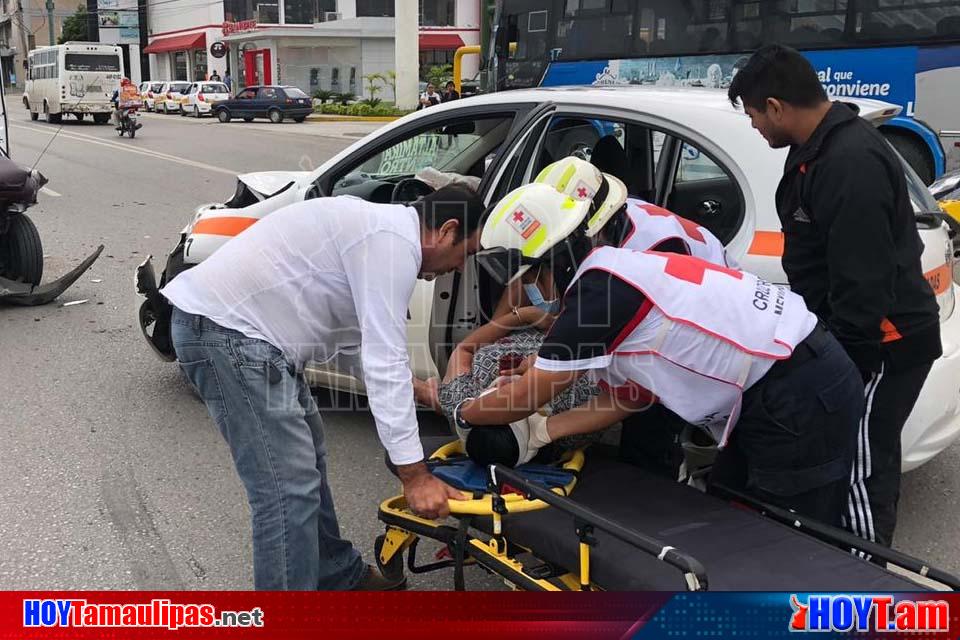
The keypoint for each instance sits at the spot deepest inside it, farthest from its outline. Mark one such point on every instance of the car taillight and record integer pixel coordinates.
(169, 96)
(200, 97)
(149, 94)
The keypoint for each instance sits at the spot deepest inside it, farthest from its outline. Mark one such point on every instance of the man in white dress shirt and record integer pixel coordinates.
(309, 282)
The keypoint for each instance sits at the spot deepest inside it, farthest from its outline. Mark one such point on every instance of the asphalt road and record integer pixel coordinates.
(111, 473)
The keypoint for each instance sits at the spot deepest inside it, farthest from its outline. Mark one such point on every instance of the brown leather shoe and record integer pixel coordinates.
(375, 581)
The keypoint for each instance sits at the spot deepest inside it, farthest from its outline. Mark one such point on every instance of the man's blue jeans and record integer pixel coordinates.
(268, 417)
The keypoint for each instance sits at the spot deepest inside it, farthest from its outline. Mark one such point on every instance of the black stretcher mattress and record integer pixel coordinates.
(741, 550)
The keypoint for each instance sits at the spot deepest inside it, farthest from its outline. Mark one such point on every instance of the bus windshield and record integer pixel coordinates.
(92, 62)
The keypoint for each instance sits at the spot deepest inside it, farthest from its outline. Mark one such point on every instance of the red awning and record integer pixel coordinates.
(440, 41)
(178, 43)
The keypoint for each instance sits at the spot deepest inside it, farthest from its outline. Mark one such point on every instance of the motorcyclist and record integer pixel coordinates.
(124, 97)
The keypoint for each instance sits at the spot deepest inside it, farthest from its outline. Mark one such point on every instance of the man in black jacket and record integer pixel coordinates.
(852, 250)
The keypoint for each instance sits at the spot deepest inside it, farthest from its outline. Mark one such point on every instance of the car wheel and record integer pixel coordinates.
(21, 254)
(101, 118)
(196, 112)
(54, 118)
(300, 118)
(34, 115)
(275, 116)
(914, 151)
(223, 115)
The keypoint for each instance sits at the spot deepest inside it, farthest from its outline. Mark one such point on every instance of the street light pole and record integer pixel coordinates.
(50, 21)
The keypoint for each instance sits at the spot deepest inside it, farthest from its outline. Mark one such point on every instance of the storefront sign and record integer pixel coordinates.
(237, 27)
(218, 49)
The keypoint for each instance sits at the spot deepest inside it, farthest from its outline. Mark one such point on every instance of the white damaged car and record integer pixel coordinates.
(685, 149)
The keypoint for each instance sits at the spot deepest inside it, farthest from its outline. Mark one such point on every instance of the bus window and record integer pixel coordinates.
(907, 20)
(100, 63)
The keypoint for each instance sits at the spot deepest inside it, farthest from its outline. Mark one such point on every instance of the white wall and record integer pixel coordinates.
(164, 16)
(377, 57)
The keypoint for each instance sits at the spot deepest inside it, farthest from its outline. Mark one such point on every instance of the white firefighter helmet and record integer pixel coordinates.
(581, 180)
(524, 226)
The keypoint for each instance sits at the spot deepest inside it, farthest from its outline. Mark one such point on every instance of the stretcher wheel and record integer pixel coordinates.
(392, 570)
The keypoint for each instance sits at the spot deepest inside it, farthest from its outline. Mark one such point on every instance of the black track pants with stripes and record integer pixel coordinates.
(875, 479)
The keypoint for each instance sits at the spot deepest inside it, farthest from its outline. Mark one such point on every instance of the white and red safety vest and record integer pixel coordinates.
(653, 225)
(705, 334)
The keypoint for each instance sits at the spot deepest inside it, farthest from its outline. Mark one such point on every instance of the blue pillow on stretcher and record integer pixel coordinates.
(463, 473)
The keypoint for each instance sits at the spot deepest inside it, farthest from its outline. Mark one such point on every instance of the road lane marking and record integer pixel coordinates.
(49, 192)
(80, 137)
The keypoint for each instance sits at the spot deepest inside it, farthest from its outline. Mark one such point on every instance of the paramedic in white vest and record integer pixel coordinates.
(650, 439)
(728, 352)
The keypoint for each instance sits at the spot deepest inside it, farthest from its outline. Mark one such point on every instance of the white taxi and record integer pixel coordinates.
(685, 149)
(167, 100)
(201, 97)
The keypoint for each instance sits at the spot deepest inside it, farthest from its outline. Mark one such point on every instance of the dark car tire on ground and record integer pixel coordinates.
(299, 118)
(248, 118)
(196, 112)
(223, 115)
(54, 118)
(34, 115)
(276, 117)
(21, 254)
(101, 118)
(914, 151)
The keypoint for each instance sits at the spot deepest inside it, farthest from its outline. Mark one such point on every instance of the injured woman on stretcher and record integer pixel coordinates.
(498, 353)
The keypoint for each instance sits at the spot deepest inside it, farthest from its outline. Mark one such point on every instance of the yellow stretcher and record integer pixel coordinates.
(613, 526)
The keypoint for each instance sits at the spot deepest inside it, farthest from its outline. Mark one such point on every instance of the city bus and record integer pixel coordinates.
(906, 52)
(76, 78)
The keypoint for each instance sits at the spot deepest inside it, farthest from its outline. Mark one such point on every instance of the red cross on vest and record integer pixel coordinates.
(689, 227)
(692, 269)
(582, 192)
(518, 216)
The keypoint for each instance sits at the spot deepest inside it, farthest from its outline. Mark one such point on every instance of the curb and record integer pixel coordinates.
(319, 117)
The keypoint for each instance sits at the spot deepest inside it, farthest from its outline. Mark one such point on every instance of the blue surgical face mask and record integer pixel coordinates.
(536, 299)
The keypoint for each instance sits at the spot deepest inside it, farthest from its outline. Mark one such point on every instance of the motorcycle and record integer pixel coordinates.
(21, 252)
(129, 122)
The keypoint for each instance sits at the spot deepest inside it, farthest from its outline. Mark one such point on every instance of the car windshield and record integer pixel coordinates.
(293, 92)
(156, 86)
(180, 88)
(214, 88)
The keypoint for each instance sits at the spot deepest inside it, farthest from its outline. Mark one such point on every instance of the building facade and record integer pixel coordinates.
(23, 26)
(312, 44)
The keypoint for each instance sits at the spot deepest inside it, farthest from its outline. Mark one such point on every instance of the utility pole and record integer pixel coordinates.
(50, 21)
(406, 55)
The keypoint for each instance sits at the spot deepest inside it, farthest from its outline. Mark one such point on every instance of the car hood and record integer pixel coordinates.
(267, 183)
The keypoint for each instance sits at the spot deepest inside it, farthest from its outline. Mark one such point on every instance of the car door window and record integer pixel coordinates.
(247, 94)
(620, 148)
(704, 191)
(459, 146)
(268, 94)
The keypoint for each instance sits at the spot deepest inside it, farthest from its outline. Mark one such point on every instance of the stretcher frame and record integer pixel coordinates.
(510, 493)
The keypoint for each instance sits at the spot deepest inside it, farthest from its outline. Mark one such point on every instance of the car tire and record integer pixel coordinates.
(22, 251)
(196, 112)
(54, 118)
(101, 118)
(300, 118)
(34, 115)
(223, 116)
(276, 117)
(914, 151)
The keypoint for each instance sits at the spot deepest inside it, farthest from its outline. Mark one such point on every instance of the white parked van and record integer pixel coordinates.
(73, 78)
